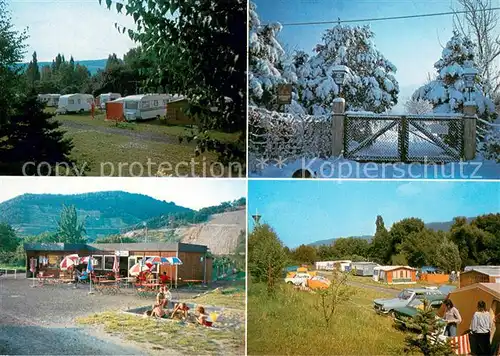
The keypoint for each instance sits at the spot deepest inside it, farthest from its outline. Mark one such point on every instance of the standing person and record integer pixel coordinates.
(452, 318)
(78, 274)
(164, 278)
(92, 109)
(480, 327)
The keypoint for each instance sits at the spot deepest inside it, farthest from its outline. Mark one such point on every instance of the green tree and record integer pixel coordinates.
(30, 137)
(381, 246)
(266, 257)
(12, 49)
(346, 247)
(33, 72)
(472, 242)
(205, 60)
(8, 238)
(331, 299)
(70, 230)
(305, 254)
(447, 257)
(428, 326)
(402, 229)
(420, 247)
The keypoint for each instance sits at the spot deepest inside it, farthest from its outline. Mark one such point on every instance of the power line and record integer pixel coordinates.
(386, 18)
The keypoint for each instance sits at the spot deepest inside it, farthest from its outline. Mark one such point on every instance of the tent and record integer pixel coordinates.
(465, 300)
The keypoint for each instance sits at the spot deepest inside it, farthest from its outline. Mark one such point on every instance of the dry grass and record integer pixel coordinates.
(370, 281)
(289, 324)
(230, 298)
(158, 335)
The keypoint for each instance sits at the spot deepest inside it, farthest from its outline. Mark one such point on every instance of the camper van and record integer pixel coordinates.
(49, 99)
(144, 106)
(104, 98)
(75, 103)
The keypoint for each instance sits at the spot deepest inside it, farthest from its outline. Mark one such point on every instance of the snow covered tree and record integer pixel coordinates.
(265, 53)
(448, 92)
(372, 85)
(418, 107)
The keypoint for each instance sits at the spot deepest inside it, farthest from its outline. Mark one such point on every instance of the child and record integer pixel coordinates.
(203, 319)
(158, 310)
(182, 309)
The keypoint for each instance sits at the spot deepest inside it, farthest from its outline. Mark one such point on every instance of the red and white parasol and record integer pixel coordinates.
(69, 261)
(85, 260)
(138, 268)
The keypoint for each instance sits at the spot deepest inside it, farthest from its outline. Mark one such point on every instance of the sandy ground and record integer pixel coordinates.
(40, 320)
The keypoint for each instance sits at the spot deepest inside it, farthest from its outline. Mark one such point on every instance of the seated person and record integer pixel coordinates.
(203, 318)
(182, 309)
(160, 302)
(164, 279)
(141, 278)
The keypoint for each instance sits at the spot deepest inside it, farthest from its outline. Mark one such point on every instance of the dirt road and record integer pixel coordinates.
(41, 320)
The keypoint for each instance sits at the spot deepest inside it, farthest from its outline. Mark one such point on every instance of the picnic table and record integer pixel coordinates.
(127, 281)
(191, 283)
(46, 278)
(107, 286)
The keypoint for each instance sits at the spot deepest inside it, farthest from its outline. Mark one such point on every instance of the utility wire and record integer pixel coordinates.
(386, 18)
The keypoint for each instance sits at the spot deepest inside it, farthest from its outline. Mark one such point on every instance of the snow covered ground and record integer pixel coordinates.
(342, 168)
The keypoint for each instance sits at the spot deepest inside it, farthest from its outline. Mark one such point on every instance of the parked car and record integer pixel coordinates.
(318, 282)
(405, 298)
(298, 279)
(410, 310)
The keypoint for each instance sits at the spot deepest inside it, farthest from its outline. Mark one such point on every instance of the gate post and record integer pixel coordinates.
(338, 126)
(469, 139)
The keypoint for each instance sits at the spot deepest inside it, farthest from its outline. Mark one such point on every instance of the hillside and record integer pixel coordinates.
(104, 212)
(436, 226)
(221, 233)
(93, 65)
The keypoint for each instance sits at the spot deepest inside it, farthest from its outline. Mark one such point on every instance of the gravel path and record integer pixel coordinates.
(41, 321)
(140, 136)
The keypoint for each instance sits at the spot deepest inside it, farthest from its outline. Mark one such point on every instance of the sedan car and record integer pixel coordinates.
(407, 296)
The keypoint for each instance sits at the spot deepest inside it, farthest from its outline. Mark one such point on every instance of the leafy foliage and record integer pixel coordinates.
(332, 298)
(266, 257)
(428, 326)
(197, 49)
(30, 137)
(70, 229)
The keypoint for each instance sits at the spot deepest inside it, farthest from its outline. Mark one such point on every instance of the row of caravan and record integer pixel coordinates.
(135, 107)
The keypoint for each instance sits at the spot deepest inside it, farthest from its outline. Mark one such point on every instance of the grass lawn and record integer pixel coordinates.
(370, 281)
(19, 269)
(230, 297)
(150, 126)
(290, 324)
(157, 335)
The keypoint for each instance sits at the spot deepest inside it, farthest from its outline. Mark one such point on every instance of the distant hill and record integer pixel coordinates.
(104, 212)
(223, 233)
(436, 226)
(93, 65)
(330, 241)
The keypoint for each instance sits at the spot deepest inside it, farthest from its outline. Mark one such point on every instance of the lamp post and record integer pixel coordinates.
(256, 217)
(340, 75)
(469, 75)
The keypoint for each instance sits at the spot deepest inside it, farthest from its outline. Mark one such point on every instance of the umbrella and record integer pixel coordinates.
(157, 260)
(139, 267)
(174, 261)
(116, 266)
(69, 261)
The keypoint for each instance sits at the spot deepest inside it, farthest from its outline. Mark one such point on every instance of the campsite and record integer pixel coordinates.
(114, 105)
(379, 288)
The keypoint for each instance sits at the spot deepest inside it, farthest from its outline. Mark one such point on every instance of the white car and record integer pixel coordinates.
(298, 279)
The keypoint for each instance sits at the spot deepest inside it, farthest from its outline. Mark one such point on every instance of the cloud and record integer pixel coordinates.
(408, 189)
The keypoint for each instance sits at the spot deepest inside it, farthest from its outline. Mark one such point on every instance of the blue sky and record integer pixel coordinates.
(81, 28)
(302, 212)
(188, 192)
(413, 45)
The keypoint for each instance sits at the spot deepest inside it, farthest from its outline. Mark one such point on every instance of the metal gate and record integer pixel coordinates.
(412, 138)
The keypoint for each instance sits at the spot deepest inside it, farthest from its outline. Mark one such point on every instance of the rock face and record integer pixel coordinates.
(221, 233)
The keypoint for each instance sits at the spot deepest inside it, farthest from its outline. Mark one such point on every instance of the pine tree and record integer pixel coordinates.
(372, 85)
(33, 72)
(447, 92)
(381, 246)
(29, 136)
(426, 341)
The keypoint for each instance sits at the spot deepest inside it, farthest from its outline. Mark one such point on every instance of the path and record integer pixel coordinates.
(391, 291)
(140, 136)
(37, 321)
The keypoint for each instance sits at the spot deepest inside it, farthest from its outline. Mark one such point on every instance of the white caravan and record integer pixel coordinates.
(104, 98)
(144, 106)
(49, 99)
(75, 103)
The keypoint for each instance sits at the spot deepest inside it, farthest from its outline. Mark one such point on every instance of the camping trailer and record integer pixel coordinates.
(343, 265)
(49, 99)
(104, 98)
(144, 106)
(364, 269)
(395, 274)
(75, 103)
